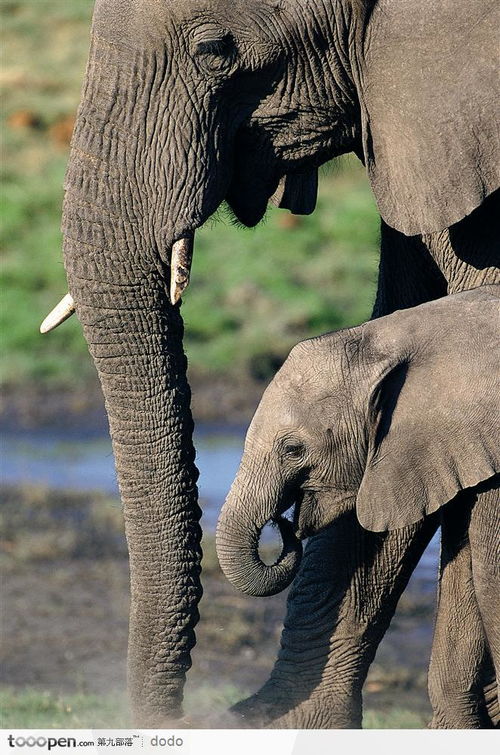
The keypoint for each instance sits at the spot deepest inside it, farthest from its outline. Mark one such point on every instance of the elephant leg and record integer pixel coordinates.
(349, 582)
(417, 269)
(408, 272)
(460, 666)
(339, 608)
(484, 535)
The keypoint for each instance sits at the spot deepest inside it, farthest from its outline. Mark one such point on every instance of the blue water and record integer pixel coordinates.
(69, 463)
(66, 461)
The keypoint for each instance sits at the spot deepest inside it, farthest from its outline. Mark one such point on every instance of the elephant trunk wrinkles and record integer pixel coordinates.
(135, 338)
(238, 532)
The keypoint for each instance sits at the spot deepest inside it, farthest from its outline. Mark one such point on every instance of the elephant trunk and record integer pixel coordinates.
(238, 531)
(134, 333)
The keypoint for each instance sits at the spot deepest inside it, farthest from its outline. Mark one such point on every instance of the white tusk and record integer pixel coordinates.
(59, 314)
(180, 267)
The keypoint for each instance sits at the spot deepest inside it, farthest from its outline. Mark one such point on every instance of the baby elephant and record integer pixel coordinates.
(393, 418)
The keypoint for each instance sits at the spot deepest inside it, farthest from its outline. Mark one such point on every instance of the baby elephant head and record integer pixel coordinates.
(393, 417)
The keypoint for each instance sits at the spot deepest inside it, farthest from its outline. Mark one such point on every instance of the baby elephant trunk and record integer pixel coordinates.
(238, 534)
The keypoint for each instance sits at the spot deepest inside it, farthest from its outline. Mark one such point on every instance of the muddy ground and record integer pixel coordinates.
(65, 608)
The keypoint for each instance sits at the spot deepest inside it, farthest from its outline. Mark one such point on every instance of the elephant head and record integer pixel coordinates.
(392, 418)
(187, 103)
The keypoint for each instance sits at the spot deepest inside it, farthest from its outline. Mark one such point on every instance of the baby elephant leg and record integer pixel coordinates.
(460, 669)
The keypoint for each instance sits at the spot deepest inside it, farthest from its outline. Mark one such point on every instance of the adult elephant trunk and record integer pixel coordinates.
(238, 531)
(116, 247)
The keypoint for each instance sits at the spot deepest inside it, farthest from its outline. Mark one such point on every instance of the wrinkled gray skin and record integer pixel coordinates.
(186, 103)
(393, 419)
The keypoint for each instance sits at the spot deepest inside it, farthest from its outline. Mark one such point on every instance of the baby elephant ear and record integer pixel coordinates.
(297, 192)
(434, 430)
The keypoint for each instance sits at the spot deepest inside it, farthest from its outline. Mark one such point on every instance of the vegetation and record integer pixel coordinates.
(42, 709)
(35, 709)
(254, 293)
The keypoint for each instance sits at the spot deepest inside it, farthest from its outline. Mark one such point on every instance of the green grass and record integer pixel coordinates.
(44, 51)
(396, 718)
(34, 709)
(253, 293)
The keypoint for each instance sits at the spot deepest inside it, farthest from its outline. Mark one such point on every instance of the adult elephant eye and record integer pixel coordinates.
(217, 55)
(294, 450)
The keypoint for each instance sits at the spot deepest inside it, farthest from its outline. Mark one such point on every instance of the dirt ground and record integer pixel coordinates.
(65, 612)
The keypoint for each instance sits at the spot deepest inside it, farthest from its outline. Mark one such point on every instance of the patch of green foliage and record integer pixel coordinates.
(44, 52)
(395, 718)
(35, 709)
(254, 293)
(40, 709)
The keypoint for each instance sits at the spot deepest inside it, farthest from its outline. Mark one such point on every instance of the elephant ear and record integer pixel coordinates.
(297, 192)
(434, 421)
(429, 92)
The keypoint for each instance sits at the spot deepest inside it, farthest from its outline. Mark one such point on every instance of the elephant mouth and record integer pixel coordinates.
(248, 206)
(302, 513)
(309, 514)
(319, 508)
(303, 530)
(287, 533)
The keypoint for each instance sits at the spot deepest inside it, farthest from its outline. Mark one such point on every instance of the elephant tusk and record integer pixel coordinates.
(180, 267)
(59, 314)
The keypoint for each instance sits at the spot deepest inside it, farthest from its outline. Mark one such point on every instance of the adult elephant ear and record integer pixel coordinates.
(429, 92)
(434, 415)
(297, 192)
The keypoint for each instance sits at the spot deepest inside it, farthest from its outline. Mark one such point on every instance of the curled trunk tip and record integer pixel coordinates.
(238, 553)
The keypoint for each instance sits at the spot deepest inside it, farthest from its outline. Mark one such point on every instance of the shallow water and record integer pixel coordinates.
(71, 462)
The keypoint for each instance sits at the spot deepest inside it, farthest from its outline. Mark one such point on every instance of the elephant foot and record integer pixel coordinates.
(164, 722)
(470, 715)
(266, 710)
(252, 713)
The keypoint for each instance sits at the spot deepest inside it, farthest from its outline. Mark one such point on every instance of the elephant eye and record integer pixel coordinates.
(216, 55)
(294, 450)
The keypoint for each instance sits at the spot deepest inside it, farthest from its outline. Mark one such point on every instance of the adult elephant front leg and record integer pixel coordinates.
(484, 536)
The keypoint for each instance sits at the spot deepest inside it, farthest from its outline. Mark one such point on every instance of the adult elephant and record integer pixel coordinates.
(187, 103)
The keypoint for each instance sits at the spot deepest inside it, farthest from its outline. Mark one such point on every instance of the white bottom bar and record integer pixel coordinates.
(246, 741)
